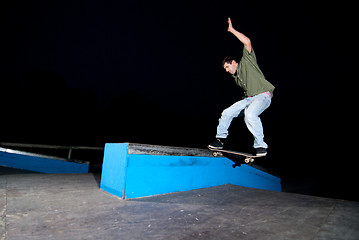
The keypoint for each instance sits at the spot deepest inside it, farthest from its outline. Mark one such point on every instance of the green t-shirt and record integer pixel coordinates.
(249, 77)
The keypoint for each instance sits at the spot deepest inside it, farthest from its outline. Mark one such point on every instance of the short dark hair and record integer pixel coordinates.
(227, 60)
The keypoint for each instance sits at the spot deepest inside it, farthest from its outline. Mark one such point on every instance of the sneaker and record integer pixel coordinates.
(217, 144)
(261, 151)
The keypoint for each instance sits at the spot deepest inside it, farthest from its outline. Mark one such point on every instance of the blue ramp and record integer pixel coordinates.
(40, 163)
(138, 170)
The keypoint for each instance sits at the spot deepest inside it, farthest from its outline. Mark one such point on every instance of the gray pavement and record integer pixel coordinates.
(71, 206)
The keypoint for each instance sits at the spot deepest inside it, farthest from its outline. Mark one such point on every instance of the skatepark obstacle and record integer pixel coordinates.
(133, 170)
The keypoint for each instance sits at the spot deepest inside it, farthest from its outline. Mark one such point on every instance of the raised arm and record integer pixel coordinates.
(243, 38)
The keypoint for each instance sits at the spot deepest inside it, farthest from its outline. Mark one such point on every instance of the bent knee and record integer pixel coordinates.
(228, 113)
(250, 117)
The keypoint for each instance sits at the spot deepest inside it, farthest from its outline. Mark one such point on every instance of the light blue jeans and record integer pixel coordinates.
(253, 107)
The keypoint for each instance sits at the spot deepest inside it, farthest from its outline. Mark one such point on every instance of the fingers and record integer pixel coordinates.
(229, 25)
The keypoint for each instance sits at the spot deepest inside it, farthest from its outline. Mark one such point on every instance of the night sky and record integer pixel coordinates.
(92, 72)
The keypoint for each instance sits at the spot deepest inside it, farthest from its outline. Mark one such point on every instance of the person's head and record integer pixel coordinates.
(230, 65)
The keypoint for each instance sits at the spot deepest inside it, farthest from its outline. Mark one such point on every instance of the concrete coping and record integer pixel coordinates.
(137, 148)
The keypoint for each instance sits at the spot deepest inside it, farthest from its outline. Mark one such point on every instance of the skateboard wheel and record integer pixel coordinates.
(215, 154)
(247, 160)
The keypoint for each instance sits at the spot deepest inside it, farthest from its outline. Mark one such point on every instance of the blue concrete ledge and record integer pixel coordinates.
(40, 163)
(138, 170)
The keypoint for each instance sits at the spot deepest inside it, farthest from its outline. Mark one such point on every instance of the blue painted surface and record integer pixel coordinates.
(113, 178)
(132, 176)
(40, 164)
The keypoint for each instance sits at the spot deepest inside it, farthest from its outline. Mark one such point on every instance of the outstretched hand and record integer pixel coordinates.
(230, 27)
(244, 39)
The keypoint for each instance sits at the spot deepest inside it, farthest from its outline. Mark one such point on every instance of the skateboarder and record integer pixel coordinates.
(257, 95)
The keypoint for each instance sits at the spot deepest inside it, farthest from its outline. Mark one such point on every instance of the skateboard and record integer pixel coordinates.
(234, 156)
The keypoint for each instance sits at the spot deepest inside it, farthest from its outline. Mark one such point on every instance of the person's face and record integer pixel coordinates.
(230, 68)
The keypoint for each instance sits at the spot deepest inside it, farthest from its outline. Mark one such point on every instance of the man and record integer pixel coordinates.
(257, 95)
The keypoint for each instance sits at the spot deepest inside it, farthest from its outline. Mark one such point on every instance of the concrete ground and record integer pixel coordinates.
(71, 206)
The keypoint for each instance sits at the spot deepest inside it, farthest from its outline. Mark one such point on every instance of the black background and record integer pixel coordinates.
(92, 72)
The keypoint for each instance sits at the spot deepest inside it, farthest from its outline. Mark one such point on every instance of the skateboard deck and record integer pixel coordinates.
(234, 156)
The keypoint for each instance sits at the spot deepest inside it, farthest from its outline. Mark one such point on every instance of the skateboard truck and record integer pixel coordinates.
(234, 156)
